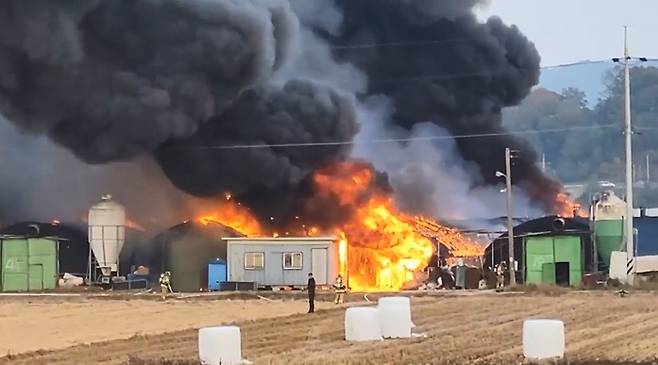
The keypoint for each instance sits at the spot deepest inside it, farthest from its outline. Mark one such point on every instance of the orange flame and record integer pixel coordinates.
(383, 249)
(379, 247)
(233, 215)
(565, 207)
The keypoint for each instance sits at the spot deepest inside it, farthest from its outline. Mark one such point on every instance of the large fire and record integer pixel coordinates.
(379, 247)
(384, 251)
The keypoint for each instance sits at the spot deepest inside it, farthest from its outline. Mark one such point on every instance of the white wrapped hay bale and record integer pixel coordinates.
(395, 317)
(543, 339)
(362, 324)
(220, 345)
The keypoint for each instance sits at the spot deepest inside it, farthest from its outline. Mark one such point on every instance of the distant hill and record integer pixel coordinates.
(588, 78)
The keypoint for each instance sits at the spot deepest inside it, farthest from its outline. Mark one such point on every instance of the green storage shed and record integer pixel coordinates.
(28, 264)
(549, 250)
(554, 260)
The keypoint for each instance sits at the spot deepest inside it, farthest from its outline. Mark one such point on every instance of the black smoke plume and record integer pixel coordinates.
(114, 79)
(263, 170)
(178, 81)
(438, 63)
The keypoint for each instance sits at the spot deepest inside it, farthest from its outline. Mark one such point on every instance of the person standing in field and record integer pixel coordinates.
(310, 286)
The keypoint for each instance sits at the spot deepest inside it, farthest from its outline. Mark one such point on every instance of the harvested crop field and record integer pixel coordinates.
(459, 330)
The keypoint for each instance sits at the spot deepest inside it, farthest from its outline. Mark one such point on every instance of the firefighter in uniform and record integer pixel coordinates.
(500, 276)
(340, 290)
(165, 284)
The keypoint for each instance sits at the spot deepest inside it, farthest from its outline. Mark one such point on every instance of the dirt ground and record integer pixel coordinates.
(31, 324)
(459, 330)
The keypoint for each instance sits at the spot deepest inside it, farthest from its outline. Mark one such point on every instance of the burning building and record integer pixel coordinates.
(271, 103)
(186, 250)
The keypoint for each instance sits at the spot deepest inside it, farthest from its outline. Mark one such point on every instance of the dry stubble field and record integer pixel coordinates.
(460, 330)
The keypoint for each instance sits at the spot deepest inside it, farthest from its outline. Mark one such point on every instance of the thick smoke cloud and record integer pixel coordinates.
(168, 84)
(437, 63)
(299, 112)
(113, 79)
(41, 181)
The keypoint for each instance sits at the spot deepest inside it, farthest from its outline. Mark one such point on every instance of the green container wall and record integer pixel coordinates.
(541, 254)
(28, 265)
(538, 251)
(187, 258)
(609, 235)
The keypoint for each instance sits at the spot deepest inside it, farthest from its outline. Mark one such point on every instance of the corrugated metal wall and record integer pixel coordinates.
(187, 258)
(28, 264)
(647, 240)
(542, 253)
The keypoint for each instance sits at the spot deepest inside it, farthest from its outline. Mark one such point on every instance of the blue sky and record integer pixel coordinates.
(567, 31)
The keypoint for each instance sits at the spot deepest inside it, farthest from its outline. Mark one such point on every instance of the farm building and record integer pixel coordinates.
(647, 232)
(286, 261)
(215, 257)
(73, 253)
(186, 251)
(548, 250)
(28, 264)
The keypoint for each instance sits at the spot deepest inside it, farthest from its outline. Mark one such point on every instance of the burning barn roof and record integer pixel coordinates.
(264, 100)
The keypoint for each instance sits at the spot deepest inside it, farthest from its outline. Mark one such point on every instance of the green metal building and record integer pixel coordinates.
(28, 264)
(554, 260)
(549, 250)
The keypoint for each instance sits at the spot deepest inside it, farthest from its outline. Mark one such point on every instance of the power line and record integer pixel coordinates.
(579, 63)
(404, 43)
(441, 76)
(401, 140)
(645, 128)
(478, 73)
(411, 43)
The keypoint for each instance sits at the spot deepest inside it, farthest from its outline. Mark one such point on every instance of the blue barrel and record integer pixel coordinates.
(216, 274)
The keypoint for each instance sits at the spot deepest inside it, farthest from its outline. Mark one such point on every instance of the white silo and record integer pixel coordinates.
(107, 233)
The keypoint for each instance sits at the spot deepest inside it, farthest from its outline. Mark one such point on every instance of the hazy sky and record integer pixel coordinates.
(567, 31)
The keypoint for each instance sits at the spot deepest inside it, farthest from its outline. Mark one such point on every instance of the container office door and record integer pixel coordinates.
(319, 265)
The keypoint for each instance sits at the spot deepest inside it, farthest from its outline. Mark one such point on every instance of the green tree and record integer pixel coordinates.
(598, 153)
(547, 110)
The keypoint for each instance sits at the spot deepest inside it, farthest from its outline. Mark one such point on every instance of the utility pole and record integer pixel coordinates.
(510, 224)
(648, 169)
(628, 130)
(543, 162)
(628, 134)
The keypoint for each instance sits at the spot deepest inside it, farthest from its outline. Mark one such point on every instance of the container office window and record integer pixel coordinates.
(292, 261)
(254, 261)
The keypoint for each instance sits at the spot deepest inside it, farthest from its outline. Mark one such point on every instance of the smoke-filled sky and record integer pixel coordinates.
(143, 99)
